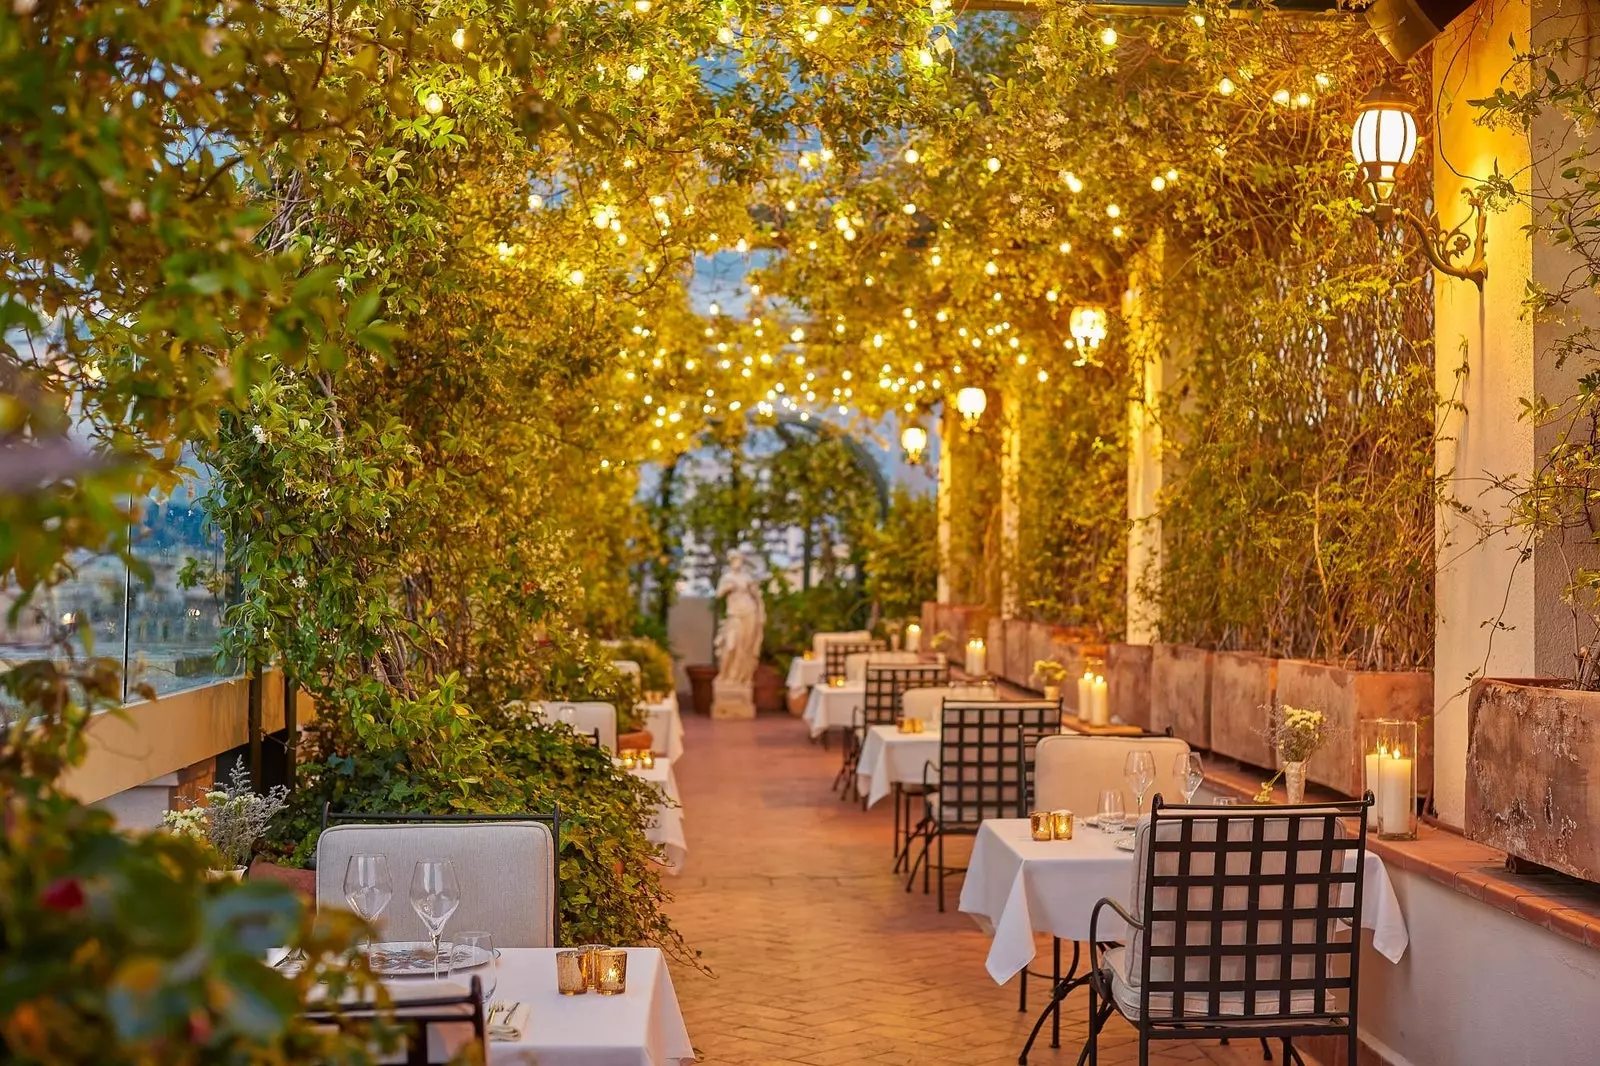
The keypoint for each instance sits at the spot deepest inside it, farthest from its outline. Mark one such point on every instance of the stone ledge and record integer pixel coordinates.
(1564, 905)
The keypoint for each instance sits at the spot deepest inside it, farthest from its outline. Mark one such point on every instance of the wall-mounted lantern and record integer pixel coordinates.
(1088, 326)
(971, 402)
(1384, 141)
(914, 439)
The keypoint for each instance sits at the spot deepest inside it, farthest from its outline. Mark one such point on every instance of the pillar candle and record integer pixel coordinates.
(1099, 702)
(913, 637)
(1394, 802)
(977, 661)
(1085, 706)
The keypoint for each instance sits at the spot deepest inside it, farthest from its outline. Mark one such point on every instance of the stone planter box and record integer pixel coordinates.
(1533, 754)
(1180, 692)
(962, 622)
(1349, 697)
(1127, 683)
(1243, 688)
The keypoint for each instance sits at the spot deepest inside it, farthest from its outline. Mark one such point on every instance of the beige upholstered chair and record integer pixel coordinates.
(507, 869)
(1240, 922)
(924, 703)
(1070, 769)
(591, 717)
(820, 641)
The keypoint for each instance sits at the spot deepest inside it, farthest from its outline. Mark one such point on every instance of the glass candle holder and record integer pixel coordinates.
(1039, 825)
(572, 977)
(629, 760)
(647, 759)
(808, 655)
(611, 971)
(1390, 762)
(1061, 825)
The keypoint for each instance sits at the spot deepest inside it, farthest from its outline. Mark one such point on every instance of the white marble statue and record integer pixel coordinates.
(739, 638)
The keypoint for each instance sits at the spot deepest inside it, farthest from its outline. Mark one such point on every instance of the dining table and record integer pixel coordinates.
(642, 1026)
(890, 758)
(834, 706)
(666, 823)
(805, 673)
(665, 723)
(1017, 886)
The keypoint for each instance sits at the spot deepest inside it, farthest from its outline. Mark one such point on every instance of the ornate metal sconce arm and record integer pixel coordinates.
(1444, 247)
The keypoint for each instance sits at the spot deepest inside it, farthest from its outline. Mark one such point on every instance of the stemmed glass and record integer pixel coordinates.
(435, 895)
(1140, 770)
(1188, 769)
(366, 887)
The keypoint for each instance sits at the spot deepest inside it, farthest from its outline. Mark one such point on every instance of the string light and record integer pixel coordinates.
(1226, 86)
(911, 155)
(993, 164)
(1108, 37)
(433, 103)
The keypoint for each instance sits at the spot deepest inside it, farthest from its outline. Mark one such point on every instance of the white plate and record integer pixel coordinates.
(415, 958)
(1124, 843)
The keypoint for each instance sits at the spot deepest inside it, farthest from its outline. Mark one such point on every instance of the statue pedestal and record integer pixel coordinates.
(732, 700)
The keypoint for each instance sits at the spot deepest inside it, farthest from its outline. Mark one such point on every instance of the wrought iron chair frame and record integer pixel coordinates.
(418, 1015)
(973, 737)
(835, 652)
(1335, 923)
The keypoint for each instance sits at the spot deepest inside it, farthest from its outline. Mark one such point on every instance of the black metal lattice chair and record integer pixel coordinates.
(415, 1020)
(835, 652)
(1246, 922)
(883, 685)
(977, 774)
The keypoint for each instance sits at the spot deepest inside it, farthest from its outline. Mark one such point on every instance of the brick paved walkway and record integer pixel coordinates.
(820, 957)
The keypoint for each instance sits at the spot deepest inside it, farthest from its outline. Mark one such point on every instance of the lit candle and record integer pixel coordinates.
(1085, 695)
(913, 637)
(1039, 825)
(1099, 702)
(1061, 825)
(1394, 799)
(611, 971)
(977, 659)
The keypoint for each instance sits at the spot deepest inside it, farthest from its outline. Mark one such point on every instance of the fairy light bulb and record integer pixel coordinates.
(725, 35)
(824, 15)
(1158, 183)
(993, 164)
(909, 209)
(535, 201)
(924, 57)
(459, 38)
(1064, 247)
(911, 155)
(1226, 87)
(433, 103)
(1281, 96)
(1108, 37)
(575, 277)
(797, 334)
(1074, 183)
(1113, 211)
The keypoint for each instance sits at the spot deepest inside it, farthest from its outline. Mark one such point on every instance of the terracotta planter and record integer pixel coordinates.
(1127, 683)
(1180, 692)
(1349, 697)
(798, 701)
(638, 740)
(1531, 750)
(1243, 688)
(767, 686)
(700, 677)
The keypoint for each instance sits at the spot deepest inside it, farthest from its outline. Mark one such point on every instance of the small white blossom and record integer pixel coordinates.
(259, 433)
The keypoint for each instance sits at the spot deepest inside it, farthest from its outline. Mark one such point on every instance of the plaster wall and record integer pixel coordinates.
(1484, 358)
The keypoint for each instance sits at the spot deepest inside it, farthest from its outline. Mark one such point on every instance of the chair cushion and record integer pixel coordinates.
(507, 872)
(1125, 991)
(587, 717)
(1070, 770)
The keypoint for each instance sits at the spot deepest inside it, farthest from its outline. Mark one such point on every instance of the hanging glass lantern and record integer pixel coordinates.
(1383, 141)
(1088, 326)
(971, 402)
(914, 439)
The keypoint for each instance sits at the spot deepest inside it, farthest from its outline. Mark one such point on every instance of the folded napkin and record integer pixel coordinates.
(509, 1025)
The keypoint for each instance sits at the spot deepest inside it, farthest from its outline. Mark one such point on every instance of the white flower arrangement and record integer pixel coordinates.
(232, 818)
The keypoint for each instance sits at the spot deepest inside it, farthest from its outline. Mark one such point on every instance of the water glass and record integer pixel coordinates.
(435, 895)
(466, 954)
(1109, 814)
(1191, 774)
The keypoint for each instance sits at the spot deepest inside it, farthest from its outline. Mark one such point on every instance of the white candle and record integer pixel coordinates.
(977, 662)
(1394, 802)
(1099, 702)
(1085, 696)
(913, 637)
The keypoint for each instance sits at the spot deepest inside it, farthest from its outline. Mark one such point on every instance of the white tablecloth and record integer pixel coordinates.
(666, 828)
(666, 727)
(832, 707)
(890, 757)
(804, 673)
(1017, 886)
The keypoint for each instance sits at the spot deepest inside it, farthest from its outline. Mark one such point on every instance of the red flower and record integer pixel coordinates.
(65, 894)
(199, 1027)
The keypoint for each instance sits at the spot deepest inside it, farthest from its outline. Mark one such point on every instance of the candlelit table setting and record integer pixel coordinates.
(1017, 886)
(891, 756)
(834, 706)
(805, 671)
(666, 825)
(665, 723)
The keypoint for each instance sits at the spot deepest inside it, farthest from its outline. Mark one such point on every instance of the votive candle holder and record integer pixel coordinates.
(647, 759)
(572, 976)
(1061, 825)
(1039, 825)
(611, 971)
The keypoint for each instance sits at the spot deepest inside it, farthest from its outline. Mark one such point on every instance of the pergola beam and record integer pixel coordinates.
(1153, 7)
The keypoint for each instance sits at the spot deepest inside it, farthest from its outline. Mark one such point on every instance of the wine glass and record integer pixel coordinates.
(1190, 772)
(366, 887)
(1140, 770)
(435, 895)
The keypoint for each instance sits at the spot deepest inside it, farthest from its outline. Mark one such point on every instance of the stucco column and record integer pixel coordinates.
(1010, 504)
(947, 430)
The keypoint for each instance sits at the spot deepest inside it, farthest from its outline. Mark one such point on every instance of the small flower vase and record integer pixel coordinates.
(1294, 781)
(235, 873)
(1052, 692)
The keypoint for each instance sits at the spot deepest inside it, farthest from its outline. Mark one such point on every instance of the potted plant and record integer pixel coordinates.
(1295, 734)
(1050, 674)
(231, 820)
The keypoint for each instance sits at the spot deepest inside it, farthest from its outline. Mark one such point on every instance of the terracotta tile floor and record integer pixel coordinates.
(819, 955)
